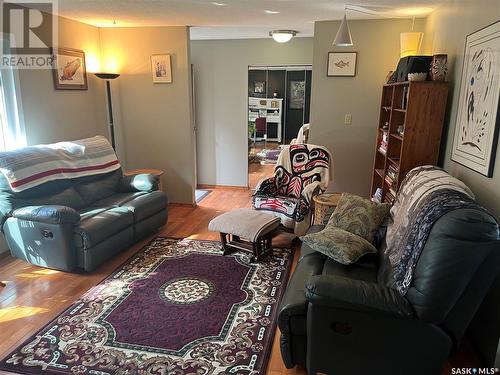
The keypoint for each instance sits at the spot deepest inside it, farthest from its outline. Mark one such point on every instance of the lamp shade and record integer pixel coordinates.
(107, 75)
(282, 36)
(410, 43)
(343, 37)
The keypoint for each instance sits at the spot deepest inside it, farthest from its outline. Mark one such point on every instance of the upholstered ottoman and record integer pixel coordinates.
(246, 229)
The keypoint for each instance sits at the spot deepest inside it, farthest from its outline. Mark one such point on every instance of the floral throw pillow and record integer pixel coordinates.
(338, 244)
(359, 216)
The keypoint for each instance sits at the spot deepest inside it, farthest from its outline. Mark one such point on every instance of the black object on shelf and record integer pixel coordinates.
(412, 64)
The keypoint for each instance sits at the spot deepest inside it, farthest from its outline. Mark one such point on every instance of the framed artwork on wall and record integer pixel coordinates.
(341, 64)
(68, 69)
(478, 118)
(297, 94)
(259, 87)
(161, 68)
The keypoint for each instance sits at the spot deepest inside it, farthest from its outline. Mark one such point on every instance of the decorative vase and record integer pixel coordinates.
(439, 67)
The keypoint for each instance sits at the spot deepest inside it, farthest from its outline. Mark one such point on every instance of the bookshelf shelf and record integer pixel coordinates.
(417, 110)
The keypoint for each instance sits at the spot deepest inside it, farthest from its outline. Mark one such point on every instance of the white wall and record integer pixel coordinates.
(353, 146)
(221, 90)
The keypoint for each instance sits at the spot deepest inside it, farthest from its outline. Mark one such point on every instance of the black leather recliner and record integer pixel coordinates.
(349, 320)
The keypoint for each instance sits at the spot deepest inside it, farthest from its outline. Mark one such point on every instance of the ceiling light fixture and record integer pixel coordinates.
(218, 4)
(343, 37)
(271, 11)
(282, 36)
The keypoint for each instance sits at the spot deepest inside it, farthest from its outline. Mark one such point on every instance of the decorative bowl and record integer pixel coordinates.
(417, 77)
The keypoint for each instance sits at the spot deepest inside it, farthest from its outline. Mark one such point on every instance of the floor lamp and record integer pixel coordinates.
(108, 77)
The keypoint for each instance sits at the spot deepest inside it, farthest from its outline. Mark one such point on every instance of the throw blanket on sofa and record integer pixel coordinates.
(432, 207)
(426, 194)
(31, 166)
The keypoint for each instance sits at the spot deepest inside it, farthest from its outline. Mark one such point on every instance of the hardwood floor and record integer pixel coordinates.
(33, 296)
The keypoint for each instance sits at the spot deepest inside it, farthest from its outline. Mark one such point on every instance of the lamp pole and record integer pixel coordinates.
(108, 77)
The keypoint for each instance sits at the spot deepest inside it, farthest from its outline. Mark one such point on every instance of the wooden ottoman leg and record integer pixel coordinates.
(225, 248)
(256, 250)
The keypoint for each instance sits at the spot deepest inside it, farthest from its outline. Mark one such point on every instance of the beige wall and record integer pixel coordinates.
(446, 30)
(154, 122)
(54, 115)
(353, 146)
(221, 81)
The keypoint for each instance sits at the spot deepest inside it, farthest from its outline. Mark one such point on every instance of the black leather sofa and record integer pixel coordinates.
(348, 320)
(80, 223)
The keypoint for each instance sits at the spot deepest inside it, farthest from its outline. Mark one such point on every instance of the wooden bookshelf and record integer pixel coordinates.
(420, 108)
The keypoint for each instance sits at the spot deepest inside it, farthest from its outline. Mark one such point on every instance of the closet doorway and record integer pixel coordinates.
(279, 102)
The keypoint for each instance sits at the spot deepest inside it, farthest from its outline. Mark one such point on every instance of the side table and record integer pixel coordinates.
(155, 172)
(324, 205)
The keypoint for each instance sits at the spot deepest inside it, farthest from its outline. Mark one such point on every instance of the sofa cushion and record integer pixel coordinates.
(141, 204)
(306, 250)
(338, 244)
(97, 224)
(359, 216)
(95, 188)
(364, 272)
(146, 205)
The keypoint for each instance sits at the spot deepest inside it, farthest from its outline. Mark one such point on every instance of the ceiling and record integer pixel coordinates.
(234, 19)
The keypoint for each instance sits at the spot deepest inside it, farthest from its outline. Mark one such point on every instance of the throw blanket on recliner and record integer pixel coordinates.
(301, 172)
(426, 194)
(31, 166)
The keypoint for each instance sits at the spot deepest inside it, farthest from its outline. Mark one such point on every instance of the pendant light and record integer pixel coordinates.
(410, 42)
(343, 37)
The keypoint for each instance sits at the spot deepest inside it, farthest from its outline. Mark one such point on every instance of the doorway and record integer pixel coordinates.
(279, 102)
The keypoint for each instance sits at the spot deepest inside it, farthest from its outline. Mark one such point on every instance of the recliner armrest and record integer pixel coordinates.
(139, 182)
(342, 292)
(53, 214)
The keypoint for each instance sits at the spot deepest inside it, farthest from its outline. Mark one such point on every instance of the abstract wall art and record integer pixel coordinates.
(478, 118)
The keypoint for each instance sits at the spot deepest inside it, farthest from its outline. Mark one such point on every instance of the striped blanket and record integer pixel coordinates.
(31, 166)
(426, 194)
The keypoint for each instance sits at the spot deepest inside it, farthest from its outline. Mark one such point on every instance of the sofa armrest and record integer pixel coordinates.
(139, 182)
(53, 214)
(342, 292)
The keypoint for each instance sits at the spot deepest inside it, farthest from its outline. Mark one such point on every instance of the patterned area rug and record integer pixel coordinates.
(177, 307)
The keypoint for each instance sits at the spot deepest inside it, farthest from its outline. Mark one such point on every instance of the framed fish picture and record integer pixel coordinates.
(341, 64)
(478, 116)
(69, 70)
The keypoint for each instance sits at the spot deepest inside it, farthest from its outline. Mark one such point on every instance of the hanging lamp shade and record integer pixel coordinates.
(343, 37)
(410, 43)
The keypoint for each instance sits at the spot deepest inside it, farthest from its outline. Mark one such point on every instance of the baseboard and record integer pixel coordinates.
(221, 187)
(4, 255)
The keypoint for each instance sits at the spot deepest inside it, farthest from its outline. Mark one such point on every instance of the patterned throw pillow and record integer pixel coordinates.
(359, 215)
(338, 244)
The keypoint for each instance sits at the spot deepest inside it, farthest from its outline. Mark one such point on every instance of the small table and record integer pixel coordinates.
(324, 205)
(246, 229)
(154, 172)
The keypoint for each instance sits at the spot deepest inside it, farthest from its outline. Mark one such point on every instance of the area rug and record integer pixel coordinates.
(177, 307)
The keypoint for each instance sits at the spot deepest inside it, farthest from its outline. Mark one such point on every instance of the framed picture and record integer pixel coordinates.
(259, 87)
(297, 94)
(341, 64)
(161, 68)
(68, 70)
(478, 118)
